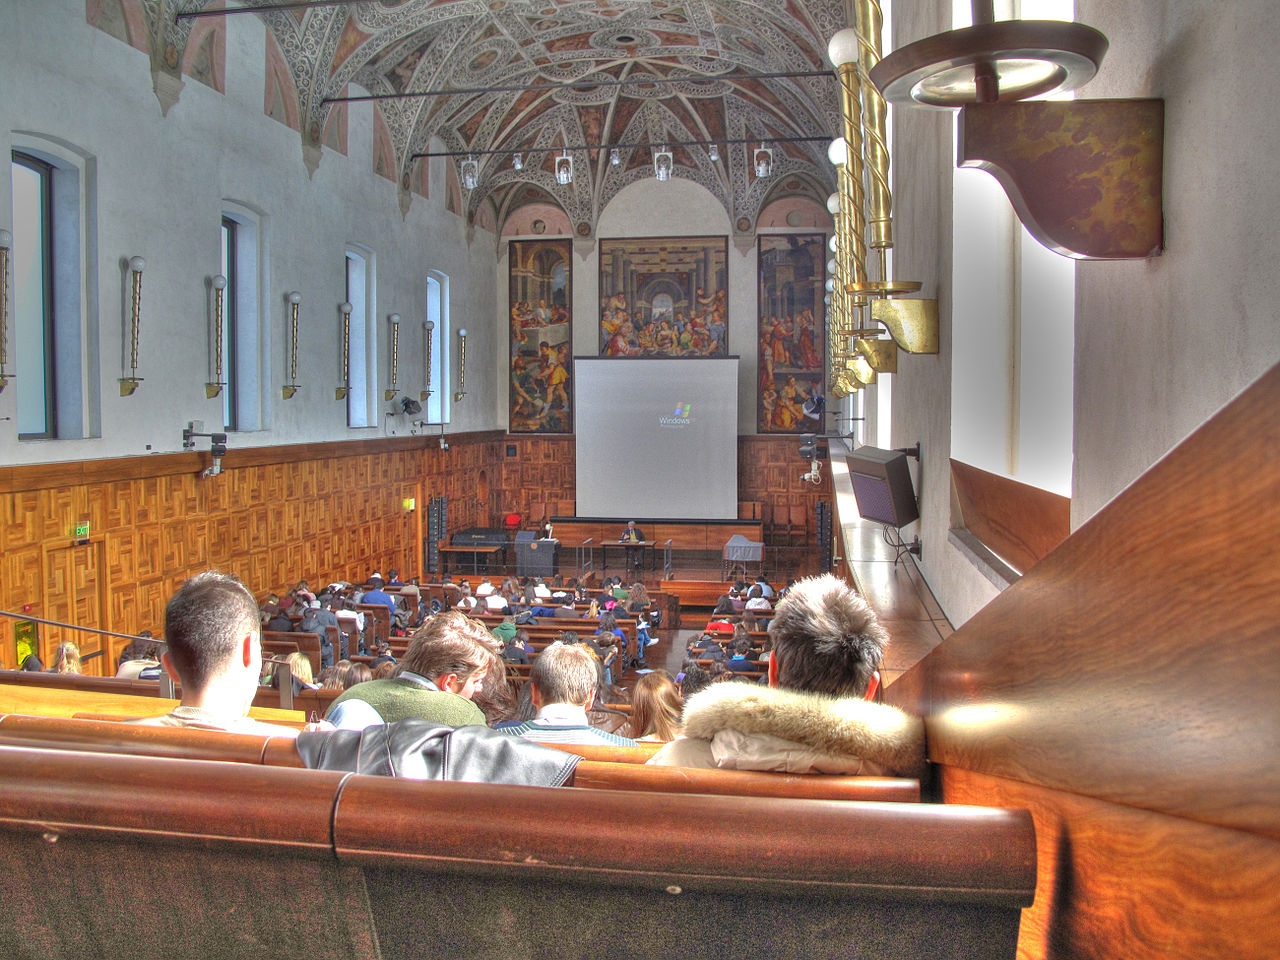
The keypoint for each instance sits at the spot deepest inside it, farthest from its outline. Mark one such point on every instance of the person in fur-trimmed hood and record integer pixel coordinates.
(817, 714)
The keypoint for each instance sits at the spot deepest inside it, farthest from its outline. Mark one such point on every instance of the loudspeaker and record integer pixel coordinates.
(824, 536)
(437, 530)
(882, 486)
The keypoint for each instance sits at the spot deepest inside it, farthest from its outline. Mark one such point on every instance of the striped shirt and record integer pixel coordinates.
(563, 723)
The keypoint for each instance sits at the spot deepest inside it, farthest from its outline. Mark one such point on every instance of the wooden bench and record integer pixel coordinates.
(696, 593)
(67, 701)
(97, 736)
(280, 643)
(849, 880)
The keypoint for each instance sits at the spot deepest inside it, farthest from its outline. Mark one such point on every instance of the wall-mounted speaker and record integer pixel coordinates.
(882, 486)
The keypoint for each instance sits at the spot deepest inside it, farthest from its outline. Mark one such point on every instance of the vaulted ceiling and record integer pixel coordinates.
(667, 70)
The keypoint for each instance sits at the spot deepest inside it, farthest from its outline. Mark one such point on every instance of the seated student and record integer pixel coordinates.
(706, 647)
(214, 651)
(140, 659)
(375, 594)
(655, 708)
(567, 611)
(446, 662)
(741, 661)
(299, 670)
(275, 620)
(516, 650)
(66, 658)
(563, 685)
(816, 715)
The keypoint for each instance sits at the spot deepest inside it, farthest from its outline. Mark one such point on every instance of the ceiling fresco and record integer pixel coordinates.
(647, 72)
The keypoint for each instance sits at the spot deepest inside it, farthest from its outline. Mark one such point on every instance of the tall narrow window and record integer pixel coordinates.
(33, 331)
(438, 314)
(230, 408)
(362, 343)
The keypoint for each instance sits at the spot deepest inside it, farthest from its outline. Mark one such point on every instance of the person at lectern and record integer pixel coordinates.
(635, 555)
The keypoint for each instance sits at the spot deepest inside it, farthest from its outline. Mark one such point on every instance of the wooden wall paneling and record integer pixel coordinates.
(1114, 881)
(1151, 631)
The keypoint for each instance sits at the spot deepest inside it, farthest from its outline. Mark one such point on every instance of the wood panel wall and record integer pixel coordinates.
(275, 515)
(321, 512)
(769, 469)
(1125, 690)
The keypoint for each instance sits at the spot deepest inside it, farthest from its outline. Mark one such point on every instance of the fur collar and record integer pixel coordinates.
(843, 726)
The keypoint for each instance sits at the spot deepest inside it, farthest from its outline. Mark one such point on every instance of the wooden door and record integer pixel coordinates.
(75, 593)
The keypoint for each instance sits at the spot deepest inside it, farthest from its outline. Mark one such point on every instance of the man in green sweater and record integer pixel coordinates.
(447, 661)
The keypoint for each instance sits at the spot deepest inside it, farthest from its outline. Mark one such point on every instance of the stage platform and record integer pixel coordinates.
(683, 534)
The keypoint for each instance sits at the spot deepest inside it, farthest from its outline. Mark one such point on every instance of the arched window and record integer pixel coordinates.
(55, 324)
(362, 342)
(438, 315)
(243, 347)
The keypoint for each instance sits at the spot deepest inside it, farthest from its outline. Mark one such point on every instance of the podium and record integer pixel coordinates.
(535, 557)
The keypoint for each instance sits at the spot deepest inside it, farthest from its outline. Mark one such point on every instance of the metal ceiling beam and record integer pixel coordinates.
(580, 84)
(622, 146)
(262, 8)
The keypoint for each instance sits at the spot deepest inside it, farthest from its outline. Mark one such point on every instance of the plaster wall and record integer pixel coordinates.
(1162, 344)
(157, 189)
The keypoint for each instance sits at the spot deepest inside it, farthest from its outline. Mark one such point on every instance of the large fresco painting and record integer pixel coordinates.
(541, 342)
(664, 297)
(792, 330)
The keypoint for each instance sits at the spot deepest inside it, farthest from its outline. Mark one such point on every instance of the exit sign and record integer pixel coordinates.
(82, 530)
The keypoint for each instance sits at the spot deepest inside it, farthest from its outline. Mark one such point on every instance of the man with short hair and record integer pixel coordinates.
(816, 715)
(214, 650)
(562, 684)
(447, 661)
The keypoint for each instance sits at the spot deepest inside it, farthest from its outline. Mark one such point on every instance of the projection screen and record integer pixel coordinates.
(657, 438)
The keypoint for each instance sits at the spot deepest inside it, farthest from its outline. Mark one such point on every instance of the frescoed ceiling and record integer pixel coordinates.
(479, 57)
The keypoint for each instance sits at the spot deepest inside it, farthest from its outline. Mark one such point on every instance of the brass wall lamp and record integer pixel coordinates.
(1106, 156)
(6, 244)
(289, 389)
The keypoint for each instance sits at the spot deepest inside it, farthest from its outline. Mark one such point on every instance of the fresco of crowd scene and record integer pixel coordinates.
(664, 332)
(790, 369)
(540, 365)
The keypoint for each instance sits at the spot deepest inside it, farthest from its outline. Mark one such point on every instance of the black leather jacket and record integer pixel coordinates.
(423, 750)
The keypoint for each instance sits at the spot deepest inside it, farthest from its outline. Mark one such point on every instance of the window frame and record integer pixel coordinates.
(45, 171)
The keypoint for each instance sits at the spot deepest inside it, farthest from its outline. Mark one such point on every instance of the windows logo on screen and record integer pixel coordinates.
(682, 417)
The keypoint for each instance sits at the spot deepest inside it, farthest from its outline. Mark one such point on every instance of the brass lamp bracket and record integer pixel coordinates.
(1084, 176)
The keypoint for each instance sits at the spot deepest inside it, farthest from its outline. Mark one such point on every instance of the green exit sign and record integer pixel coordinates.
(82, 530)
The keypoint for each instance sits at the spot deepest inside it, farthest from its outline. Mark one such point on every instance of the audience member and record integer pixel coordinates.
(66, 658)
(140, 659)
(694, 680)
(741, 660)
(563, 684)
(655, 708)
(214, 651)
(375, 594)
(816, 715)
(446, 662)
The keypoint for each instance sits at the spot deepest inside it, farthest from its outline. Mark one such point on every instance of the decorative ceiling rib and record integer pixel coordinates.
(388, 47)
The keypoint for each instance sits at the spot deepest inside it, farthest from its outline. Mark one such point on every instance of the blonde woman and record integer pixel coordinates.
(66, 659)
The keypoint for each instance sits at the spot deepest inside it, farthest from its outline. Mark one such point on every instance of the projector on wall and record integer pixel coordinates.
(814, 475)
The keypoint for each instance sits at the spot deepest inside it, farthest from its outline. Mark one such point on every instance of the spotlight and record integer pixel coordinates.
(470, 174)
(662, 164)
(615, 158)
(713, 153)
(564, 169)
(517, 162)
(410, 406)
(763, 161)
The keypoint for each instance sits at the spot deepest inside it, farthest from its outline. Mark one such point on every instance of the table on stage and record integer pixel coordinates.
(640, 546)
(476, 552)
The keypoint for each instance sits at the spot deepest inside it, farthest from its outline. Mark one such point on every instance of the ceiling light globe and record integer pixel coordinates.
(843, 47)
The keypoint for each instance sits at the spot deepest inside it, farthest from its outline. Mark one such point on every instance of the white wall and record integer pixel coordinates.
(160, 183)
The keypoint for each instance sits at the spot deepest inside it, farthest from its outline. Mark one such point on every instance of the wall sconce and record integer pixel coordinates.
(517, 162)
(290, 388)
(615, 158)
(763, 161)
(130, 383)
(427, 327)
(662, 164)
(341, 392)
(462, 366)
(713, 153)
(211, 390)
(564, 169)
(6, 244)
(470, 174)
(390, 392)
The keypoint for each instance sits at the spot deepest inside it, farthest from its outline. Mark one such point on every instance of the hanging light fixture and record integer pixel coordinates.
(763, 161)
(517, 162)
(564, 169)
(130, 383)
(470, 174)
(615, 158)
(713, 153)
(662, 164)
